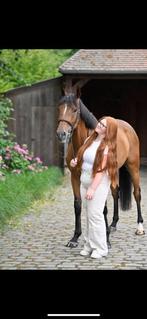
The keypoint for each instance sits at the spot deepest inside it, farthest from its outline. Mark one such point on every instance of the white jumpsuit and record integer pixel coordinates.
(95, 233)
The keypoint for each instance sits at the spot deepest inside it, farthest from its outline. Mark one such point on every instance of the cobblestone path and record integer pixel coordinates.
(39, 242)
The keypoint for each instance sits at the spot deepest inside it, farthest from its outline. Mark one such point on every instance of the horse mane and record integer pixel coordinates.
(88, 117)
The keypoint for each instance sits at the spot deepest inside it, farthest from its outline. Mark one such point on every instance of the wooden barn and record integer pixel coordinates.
(113, 82)
(35, 119)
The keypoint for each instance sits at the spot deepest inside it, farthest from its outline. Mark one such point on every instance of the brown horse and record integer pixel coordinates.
(75, 124)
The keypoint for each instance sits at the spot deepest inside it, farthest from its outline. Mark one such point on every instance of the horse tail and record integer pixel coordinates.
(125, 188)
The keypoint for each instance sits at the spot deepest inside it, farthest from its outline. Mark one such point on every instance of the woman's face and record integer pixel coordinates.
(101, 127)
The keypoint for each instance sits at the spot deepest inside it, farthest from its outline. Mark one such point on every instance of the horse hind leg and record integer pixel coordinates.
(137, 195)
(123, 193)
(73, 242)
(115, 194)
(105, 212)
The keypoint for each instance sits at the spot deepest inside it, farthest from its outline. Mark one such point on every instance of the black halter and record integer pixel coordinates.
(62, 120)
(73, 126)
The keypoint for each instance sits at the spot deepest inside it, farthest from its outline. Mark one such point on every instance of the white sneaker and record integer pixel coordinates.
(85, 252)
(95, 254)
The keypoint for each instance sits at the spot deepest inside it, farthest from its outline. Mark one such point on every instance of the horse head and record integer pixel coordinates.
(69, 115)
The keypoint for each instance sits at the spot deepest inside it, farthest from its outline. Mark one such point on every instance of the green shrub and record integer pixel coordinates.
(5, 111)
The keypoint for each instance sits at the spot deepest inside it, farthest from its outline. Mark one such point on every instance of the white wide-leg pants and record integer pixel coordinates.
(95, 233)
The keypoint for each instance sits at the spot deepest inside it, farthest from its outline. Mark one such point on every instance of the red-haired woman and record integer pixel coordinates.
(97, 161)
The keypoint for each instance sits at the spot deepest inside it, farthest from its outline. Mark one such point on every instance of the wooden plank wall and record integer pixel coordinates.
(35, 119)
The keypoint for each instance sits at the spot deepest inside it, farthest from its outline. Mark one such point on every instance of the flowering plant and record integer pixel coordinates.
(16, 158)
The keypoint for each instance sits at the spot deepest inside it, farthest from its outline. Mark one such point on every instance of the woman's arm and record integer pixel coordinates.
(96, 181)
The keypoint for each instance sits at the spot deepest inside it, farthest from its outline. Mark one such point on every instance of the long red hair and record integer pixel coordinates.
(110, 141)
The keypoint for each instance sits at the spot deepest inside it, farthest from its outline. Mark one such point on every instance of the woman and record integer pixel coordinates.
(97, 161)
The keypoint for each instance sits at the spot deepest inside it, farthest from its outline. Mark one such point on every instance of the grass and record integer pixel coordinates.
(18, 193)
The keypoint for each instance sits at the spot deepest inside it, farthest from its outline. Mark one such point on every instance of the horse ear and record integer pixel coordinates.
(63, 88)
(78, 93)
(66, 90)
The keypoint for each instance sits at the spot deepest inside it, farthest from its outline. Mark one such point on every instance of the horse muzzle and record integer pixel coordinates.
(64, 137)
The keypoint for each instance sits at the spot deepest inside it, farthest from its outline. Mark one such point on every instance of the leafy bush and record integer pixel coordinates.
(5, 111)
(16, 159)
(13, 157)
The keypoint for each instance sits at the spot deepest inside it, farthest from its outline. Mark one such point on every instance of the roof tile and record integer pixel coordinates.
(103, 61)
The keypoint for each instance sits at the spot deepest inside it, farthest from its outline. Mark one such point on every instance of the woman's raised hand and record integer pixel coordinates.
(73, 162)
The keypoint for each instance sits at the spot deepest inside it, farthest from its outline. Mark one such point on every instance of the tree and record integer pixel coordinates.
(25, 67)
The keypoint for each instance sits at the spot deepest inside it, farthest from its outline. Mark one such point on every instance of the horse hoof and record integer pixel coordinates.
(112, 229)
(139, 232)
(72, 244)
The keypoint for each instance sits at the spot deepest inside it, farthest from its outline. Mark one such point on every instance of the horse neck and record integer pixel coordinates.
(86, 125)
(81, 132)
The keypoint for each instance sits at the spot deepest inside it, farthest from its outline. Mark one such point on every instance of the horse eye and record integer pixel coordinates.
(75, 110)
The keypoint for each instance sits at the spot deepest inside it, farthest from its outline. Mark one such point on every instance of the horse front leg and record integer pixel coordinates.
(73, 242)
(115, 194)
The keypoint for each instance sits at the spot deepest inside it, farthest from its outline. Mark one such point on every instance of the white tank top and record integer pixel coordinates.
(89, 155)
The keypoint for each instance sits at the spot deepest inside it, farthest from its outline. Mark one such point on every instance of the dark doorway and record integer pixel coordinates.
(120, 98)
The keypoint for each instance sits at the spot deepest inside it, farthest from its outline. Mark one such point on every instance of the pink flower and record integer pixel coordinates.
(29, 158)
(20, 150)
(31, 167)
(8, 156)
(38, 160)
